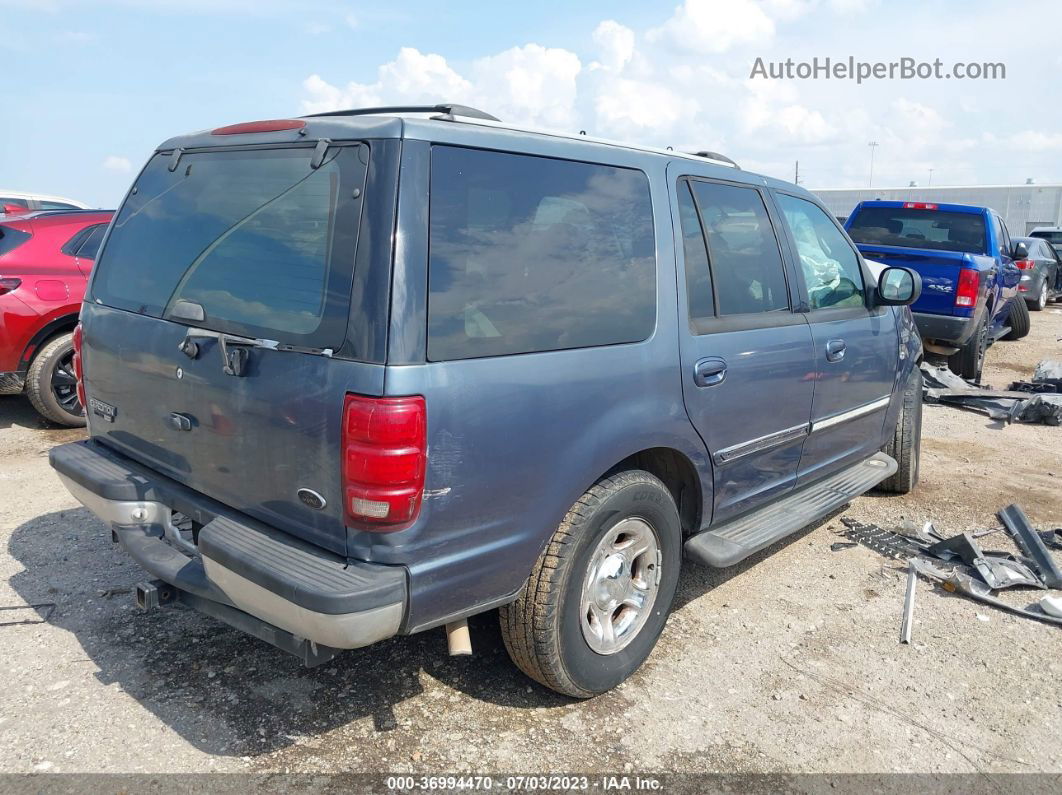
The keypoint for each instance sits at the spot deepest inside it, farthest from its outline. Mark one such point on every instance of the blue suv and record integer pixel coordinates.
(372, 372)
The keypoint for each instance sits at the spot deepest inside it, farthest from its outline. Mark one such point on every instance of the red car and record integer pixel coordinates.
(45, 259)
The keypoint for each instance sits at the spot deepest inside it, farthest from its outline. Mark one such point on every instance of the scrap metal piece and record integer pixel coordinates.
(997, 571)
(1052, 605)
(908, 605)
(1048, 371)
(1017, 526)
(837, 546)
(1053, 538)
(885, 542)
(960, 583)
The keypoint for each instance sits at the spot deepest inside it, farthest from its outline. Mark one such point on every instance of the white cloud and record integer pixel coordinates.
(1036, 141)
(352, 21)
(119, 164)
(615, 43)
(704, 26)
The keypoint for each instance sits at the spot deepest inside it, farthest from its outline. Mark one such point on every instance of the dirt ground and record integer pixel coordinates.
(788, 663)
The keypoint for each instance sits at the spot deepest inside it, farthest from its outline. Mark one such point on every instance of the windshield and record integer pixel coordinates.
(1054, 238)
(250, 242)
(925, 229)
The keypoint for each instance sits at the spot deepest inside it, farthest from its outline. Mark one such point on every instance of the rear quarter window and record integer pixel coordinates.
(536, 254)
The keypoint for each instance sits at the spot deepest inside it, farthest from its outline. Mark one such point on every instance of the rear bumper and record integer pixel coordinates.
(945, 328)
(268, 576)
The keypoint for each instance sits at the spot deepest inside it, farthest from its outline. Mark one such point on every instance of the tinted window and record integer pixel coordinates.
(11, 238)
(46, 205)
(13, 204)
(698, 276)
(746, 265)
(1053, 237)
(248, 235)
(927, 229)
(829, 263)
(535, 254)
(1002, 238)
(91, 245)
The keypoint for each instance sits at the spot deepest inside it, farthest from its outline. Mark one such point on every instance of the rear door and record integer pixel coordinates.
(855, 348)
(746, 355)
(222, 293)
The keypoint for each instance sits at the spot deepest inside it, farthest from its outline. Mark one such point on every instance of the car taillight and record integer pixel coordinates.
(8, 284)
(1025, 264)
(966, 291)
(384, 458)
(78, 371)
(919, 206)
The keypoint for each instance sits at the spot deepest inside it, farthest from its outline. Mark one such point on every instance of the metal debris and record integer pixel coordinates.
(908, 605)
(1028, 540)
(940, 385)
(837, 546)
(998, 571)
(885, 542)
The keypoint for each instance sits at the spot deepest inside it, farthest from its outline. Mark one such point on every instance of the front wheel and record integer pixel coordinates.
(906, 443)
(51, 385)
(599, 595)
(1020, 322)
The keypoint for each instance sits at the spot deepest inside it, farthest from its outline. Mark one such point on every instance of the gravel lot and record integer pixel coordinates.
(789, 663)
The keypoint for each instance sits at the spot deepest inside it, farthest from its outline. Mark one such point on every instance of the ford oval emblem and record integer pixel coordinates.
(312, 499)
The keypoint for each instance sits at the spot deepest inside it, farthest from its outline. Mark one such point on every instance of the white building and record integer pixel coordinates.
(1023, 207)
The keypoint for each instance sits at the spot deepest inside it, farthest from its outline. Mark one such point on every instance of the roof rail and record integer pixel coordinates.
(447, 108)
(715, 156)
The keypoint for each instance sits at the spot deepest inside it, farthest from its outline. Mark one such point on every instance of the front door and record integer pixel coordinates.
(855, 347)
(746, 354)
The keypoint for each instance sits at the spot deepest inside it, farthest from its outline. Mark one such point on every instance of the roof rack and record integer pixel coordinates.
(715, 156)
(447, 108)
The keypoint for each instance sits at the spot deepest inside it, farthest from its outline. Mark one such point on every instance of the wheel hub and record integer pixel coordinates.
(620, 586)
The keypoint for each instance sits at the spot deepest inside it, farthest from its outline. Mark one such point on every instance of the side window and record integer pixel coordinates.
(829, 263)
(698, 275)
(71, 246)
(47, 205)
(536, 254)
(746, 264)
(6, 202)
(1002, 238)
(91, 244)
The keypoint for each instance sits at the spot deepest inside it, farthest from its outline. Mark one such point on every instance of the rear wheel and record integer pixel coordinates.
(51, 385)
(1040, 301)
(1020, 322)
(906, 443)
(599, 595)
(970, 359)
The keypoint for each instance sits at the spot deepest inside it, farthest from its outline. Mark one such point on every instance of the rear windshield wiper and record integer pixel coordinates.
(235, 350)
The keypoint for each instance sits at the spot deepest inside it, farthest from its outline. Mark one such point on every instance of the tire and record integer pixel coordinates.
(970, 359)
(1020, 322)
(1038, 303)
(906, 443)
(549, 629)
(50, 385)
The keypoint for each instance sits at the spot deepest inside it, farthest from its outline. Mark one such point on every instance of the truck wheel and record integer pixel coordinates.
(906, 443)
(1038, 303)
(51, 385)
(599, 595)
(970, 359)
(1020, 322)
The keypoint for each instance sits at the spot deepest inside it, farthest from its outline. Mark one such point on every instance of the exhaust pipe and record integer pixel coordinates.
(458, 639)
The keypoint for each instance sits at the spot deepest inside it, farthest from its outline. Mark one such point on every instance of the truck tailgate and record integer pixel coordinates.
(939, 271)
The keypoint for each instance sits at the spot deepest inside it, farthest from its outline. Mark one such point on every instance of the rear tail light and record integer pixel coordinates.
(9, 284)
(966, 292)
(919, 206)
(1025, 264)
(384, 458)
(79, 373)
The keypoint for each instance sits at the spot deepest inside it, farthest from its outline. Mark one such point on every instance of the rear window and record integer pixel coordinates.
(11, 238)
(926, 229)
(535, 254)
(257, 238)
(1051, 237)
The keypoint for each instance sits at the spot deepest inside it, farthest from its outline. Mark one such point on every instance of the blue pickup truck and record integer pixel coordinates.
(969, 280)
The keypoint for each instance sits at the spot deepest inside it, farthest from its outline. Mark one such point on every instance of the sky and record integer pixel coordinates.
(90, 87)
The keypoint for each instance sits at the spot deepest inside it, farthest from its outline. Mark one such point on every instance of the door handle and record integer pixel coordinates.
(835, 350)
(709, 372)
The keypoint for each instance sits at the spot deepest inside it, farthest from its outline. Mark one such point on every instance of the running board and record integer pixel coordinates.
(1001, 333)
(737, 539)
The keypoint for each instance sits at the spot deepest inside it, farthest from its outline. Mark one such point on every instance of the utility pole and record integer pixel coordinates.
(796, 174)
(931, 176)
(873, 145)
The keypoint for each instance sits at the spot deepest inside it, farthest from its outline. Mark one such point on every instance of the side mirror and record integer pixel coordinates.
(898, 287)
(1021, 251)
